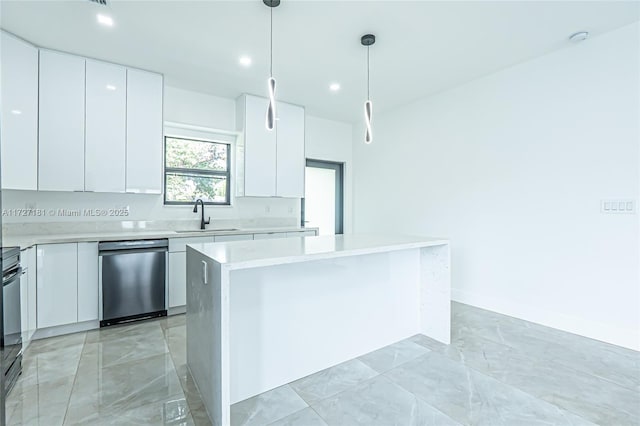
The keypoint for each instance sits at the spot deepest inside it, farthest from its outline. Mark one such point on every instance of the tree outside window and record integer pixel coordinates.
(196, 169)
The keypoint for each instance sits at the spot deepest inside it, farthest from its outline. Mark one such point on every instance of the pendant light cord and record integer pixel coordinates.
(271, 46)
(368, 84)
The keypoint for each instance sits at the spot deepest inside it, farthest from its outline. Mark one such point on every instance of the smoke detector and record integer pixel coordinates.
(579, 36)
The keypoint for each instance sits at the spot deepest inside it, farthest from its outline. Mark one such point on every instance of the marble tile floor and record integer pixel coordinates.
(497, 371)
(125, 375)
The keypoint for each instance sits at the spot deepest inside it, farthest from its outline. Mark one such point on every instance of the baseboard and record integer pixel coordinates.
(618, 336)
(43, 333)
(177, 310)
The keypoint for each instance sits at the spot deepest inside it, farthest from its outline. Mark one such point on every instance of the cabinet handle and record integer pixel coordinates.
(204, 273)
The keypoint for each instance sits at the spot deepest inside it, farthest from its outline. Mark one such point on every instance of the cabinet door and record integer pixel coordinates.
(144, 132)
(19, 130)
(180, 244)
(242, 237)
(259, 150)
(24, 308)
(87, 281)
(301, 234)
(57, 277)
(61, 112)
(270, 235)
(30, 258)
(177, 279)
(105, 127)
(290, 151)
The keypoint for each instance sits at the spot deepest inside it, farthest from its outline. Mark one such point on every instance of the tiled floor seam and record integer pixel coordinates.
(549, 360)
(520, 352)
(75, 378)
(496, 379)
(573, 370)
(369, 379)
(323, 419)
(182, 385)
(335, 394)
(412, 393)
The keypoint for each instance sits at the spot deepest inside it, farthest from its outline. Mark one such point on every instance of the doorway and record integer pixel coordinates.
(322, 205)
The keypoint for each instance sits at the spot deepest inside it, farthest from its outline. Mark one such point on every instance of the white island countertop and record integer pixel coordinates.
(261, 314)
(254, 254)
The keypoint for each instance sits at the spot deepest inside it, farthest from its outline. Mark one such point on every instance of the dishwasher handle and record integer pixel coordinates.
(132, 245)
(132, 251)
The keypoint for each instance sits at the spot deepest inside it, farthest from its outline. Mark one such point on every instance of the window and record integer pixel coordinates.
(195, 169)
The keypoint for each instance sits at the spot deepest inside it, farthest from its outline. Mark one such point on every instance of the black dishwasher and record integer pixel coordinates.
(133, 280)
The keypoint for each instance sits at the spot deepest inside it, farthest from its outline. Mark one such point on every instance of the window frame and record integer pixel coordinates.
(196, 172)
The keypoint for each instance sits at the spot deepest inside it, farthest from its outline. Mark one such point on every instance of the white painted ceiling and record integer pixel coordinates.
(423, 47)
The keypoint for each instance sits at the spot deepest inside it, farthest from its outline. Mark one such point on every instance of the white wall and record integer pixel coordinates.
(327, 139)
(187, 107)
(512, 168)
(331, 141)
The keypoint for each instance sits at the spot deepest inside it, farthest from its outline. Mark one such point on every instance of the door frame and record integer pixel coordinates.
(339, 211)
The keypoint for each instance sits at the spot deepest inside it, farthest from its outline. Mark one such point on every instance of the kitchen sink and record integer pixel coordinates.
(188, 231)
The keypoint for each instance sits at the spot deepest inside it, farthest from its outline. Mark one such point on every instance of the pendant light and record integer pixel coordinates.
(368, 40)
(271, 82)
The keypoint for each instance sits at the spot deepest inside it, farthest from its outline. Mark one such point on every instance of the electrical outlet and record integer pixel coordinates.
(618, 206)
(267, 209)
(290, 209)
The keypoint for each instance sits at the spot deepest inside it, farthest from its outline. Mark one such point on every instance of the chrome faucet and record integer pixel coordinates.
(195, 210)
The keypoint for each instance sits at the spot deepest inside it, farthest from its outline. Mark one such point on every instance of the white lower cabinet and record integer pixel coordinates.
(224, 238)
(88, 282)
(28, 295)
(24, 307)
(301, 234)
(32, 294)
(57, 284)
(67, 283)
(178, 263)
(178, 268)
(270, 235)
(177, 279)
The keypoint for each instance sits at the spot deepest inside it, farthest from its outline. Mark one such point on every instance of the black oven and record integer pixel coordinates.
(11, 316)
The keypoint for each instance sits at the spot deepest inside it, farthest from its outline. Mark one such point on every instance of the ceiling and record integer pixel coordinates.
(422, 47)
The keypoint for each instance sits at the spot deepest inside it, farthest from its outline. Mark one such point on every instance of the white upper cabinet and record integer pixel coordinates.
(144, 132)
(61, 111)
(290, 151)
(269, 163)
(258, 164)
(19, 116)
(106, 104)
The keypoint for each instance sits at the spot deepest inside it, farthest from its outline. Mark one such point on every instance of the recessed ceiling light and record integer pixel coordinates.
(334, 87)
(105, 20)
(245, 61)
(111, 87)
(579, 36)
(16, 111)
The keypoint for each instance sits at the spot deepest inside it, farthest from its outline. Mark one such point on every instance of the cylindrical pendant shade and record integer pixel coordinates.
(368, 111)
(271, 110)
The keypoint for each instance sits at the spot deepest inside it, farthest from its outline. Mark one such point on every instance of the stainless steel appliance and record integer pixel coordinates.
(11, 317)
(133, 280)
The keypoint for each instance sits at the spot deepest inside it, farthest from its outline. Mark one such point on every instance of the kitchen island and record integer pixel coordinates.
(261, 314)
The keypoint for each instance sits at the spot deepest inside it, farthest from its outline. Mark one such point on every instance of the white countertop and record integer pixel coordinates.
(25, 241)
(253, 254)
